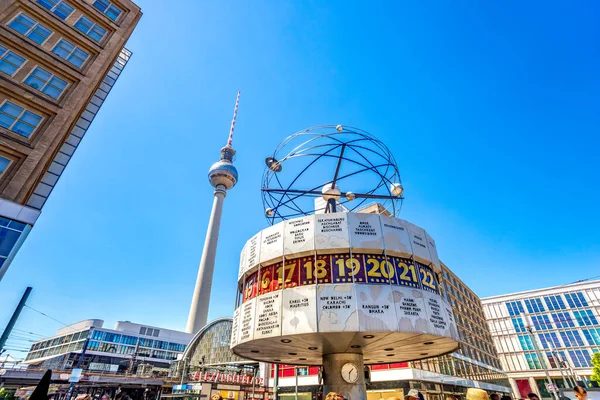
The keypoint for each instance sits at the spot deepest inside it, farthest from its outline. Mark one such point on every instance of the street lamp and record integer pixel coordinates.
(529, 327)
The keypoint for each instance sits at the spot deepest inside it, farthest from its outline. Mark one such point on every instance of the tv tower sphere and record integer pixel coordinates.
(223, 172)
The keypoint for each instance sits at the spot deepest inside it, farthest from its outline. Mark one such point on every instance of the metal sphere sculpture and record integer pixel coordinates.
(342, 167)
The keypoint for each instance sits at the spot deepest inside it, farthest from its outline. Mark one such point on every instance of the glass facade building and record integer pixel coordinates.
(115, 350)
(563, 322)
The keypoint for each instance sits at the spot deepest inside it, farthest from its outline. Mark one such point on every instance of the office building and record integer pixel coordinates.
(475, 364)
(125, 348)
(561, 321)
(59, 60)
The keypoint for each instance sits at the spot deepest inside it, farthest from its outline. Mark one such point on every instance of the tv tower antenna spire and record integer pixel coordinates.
(223, 176)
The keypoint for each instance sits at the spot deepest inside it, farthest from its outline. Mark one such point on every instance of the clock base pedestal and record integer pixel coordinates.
(333, 381)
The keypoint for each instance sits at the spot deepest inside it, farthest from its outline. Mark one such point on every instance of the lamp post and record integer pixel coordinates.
(529, 327)
(558, 363)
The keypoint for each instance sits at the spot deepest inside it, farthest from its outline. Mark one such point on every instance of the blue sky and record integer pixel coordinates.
(490, 108)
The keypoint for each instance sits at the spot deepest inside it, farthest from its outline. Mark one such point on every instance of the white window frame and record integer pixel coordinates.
(94, 24)
(58, 3)
(14, 52)
(31, 29)
(71, 53)
(17, 119)
(52, 75)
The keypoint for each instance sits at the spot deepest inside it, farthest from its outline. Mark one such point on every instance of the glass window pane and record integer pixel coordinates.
(113, 13)
(6, 121)
(14, 59)
(59, 51)
(79, 25)
(8, 239)
(58, 83)
(4, 163)
(42, 31)
(42, 74)
(36, 37)
(63, 10)
(75, 61)
(7, 68)
(19, 27)
(47, 3)
(22, 129)
(66, 45)
(34, 82)
(52, 92)
(31, 118)
(101, 5)
(11, 109)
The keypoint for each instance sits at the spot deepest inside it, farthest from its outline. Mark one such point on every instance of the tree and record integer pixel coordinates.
(7, 394)
(596, 367)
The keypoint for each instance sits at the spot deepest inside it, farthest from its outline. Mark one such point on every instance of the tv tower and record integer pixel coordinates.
(222, 175)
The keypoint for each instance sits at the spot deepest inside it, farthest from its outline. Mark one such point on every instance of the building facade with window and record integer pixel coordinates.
(474, 364)
(562, 322)
(58, 61)
(125, 348)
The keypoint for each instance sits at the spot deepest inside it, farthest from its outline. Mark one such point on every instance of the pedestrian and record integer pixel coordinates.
(216, 396)
(334, 396)
(533, 396)
(506, 397)
(413, 394)
(495, 396)
(580, 393)
(477, 394)
(83, 396)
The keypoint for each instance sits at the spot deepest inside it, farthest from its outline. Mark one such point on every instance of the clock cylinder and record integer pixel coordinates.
(334, 380)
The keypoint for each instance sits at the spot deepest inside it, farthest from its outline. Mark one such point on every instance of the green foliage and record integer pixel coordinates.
(8, 394)
(596, 370)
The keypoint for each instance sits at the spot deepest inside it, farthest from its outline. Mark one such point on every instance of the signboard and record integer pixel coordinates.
(235, 327)
(250, 287)
(376, 311)
(410, 309)
(407, 273)
(336, 308)
(253, 251)
(75, 375)
(395, 237)
(436, 314)
(331, 232)
(365, 232)
(299, 313)
(379, 269)
(452, 330)
(374, 269)
(271, 247)
(268, 316)
(299, 235)
(242, 262)
(247, 321)
(432, 250)
(315, 269)
(427, 278)
(218, 377)
(346, 268)
(418, 243)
